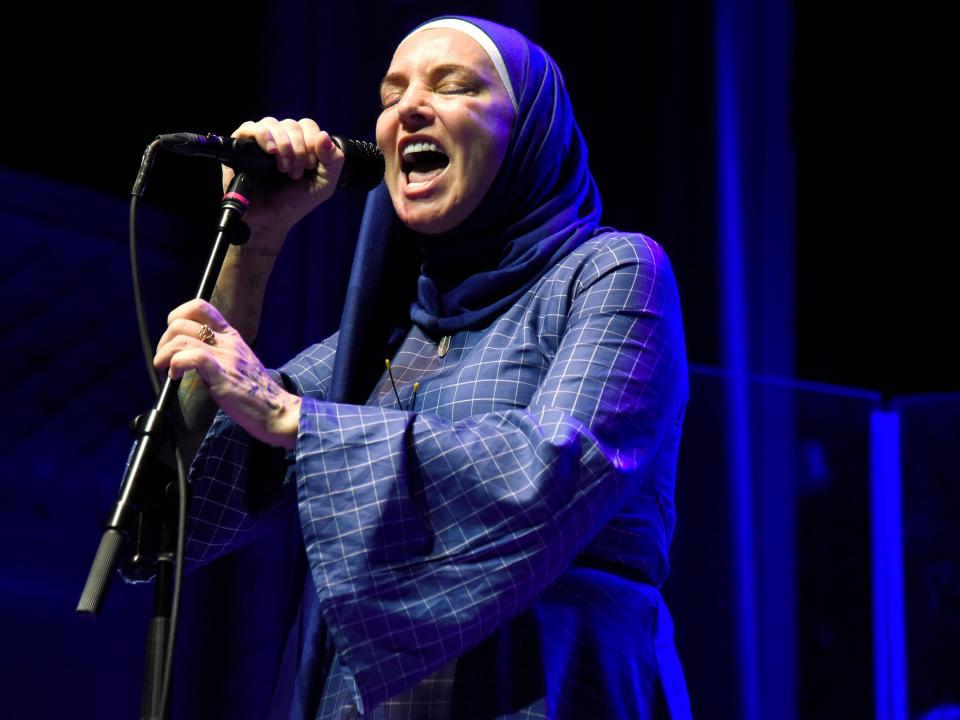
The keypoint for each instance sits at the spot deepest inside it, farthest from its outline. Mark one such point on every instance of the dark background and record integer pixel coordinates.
(872, 125)
(850, 284)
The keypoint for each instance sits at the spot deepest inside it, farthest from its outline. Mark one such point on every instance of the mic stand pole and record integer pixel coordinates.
(143, 491)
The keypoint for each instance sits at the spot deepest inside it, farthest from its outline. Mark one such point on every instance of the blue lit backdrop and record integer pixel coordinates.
(798, 173)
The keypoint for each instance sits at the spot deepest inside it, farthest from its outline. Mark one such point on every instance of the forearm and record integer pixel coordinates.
(239, 296)
(312, 164)
(242, 283)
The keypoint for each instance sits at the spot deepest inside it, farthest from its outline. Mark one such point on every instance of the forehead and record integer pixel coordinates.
(440, 46)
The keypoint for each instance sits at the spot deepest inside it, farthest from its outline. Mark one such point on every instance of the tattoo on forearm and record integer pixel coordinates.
(254, 251)
(218, 299)
(196, 407)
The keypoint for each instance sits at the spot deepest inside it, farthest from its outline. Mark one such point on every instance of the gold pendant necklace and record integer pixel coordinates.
(443, 346)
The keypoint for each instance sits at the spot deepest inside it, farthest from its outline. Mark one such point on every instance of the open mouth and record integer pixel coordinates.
(423, 161)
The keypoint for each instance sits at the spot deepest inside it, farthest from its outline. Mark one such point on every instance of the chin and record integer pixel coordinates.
(427, 221)
(429, 227)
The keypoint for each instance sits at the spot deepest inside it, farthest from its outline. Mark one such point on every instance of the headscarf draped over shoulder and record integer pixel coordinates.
(542, 204)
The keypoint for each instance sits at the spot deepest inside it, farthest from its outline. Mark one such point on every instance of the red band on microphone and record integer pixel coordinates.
(237, 196)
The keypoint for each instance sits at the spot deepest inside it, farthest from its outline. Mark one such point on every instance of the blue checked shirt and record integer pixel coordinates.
(549, 436)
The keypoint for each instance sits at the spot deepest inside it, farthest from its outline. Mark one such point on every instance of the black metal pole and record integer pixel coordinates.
(151, 706)
(141, 516)
(155, 428)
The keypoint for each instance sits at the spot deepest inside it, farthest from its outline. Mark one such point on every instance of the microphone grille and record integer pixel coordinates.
(363, 165)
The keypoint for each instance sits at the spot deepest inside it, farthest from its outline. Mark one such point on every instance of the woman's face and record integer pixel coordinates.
(444, 128)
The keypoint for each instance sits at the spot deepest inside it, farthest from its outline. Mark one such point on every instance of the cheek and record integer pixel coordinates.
(502, 142)
(496, 141)
(504, 130)
(489, 138)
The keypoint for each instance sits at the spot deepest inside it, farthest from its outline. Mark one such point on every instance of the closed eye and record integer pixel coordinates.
(392, 99)
(455, 89)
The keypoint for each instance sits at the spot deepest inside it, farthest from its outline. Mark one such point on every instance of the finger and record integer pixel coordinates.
(183, 353)
(194, 358)
(183, 326)
(202, 312)
(330, 159)
(298, 147)
(227, 174)
(311, 135)
(166, 353)
(327, 151)
(272, 136)
(263, 131)
(248, 129)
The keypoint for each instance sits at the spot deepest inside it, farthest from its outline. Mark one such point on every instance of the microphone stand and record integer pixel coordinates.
(145, 514)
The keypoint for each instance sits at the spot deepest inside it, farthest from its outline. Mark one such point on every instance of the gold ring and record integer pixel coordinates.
(206, 335)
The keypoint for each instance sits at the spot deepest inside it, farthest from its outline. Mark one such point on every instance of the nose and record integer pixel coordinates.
(414, 108)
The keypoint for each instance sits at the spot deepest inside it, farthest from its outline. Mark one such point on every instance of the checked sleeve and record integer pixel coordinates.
(425, 533)
(238, 490)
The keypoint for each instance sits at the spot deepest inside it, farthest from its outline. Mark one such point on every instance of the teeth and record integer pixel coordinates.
(421, 147)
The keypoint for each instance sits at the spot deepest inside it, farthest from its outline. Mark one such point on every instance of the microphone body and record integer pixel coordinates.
(362, 168)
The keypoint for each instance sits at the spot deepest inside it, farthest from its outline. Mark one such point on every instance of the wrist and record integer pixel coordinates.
(267, 236)
(284, 424)
(261, 249)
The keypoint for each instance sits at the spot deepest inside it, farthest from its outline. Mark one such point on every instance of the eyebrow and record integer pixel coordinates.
(395, 79)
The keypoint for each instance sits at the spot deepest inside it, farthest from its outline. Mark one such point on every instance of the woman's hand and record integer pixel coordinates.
(311, 162)
(233, 375)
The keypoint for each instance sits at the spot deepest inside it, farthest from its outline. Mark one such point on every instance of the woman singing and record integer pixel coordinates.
(487, 523)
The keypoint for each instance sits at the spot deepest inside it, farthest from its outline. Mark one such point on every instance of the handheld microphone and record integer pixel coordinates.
(362, 167)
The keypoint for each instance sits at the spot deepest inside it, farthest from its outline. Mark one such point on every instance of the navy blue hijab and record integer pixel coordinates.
(542, 204)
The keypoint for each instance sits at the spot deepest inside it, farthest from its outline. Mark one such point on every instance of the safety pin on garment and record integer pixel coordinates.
(393, 384)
